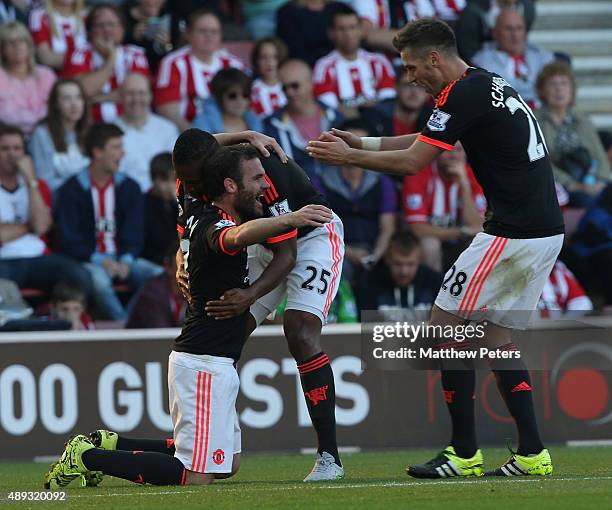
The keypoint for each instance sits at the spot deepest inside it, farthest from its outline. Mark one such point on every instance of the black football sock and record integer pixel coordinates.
(138, 467)
(320, 394)
(146, 445)
(514, 384)
(458, 379)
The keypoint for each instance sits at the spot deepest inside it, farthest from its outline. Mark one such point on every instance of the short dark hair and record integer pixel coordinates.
(340, 9)
(227, 78)
(282, 51)
(11, 129)
(426, 33)
(91, 15)
(405, 242)
(98, 135)
(200, 13)
(161, 166)
(226, 163)
(68, 291)
(192, 150)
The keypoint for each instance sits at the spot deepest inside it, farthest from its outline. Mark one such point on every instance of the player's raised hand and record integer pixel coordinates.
(329, 148)
(264, 143)
(233, 302)
(311, 216)
(352, 140)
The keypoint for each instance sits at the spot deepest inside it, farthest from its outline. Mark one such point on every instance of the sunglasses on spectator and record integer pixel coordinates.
(294, 85)
(232, 96)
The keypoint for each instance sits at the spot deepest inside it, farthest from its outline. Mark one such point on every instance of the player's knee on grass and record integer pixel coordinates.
(303, 332)
(235, 468)
(194, 478)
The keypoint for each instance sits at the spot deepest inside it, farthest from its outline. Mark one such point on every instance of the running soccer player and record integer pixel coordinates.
(202, 379)
(309, 280)
(503, 270)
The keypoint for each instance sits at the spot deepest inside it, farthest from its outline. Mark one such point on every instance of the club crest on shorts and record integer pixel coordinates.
(218, 457)
(438, 120)
(280, 208)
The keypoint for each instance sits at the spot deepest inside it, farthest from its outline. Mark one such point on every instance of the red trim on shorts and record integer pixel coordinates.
(282, 237)
(437, 143)
(337, 258)
(471, 285)
(184, 477)
(196, 443)
(208, 399)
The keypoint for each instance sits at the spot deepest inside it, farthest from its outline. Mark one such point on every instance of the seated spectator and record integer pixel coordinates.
(14, 10)
(302, 119)
(580, 163)
(161, 210)
(160, 303)
(102, 65)
(444, 205)
(302, 26)
(56, 143)
(475, 23)
(145, 133)
(69, 303)
(99, 217)
(149, 24)
(260, 17)
(400, 281)
(228, 110)
(510, 56)
(185, 74)
(24, 86)
(367, 204)
(563, 295)
(57, 28)
(267, 94)
(404, 114)
(25, 216)
(349, 76)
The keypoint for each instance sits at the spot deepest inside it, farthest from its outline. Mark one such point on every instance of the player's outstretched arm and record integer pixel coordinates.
(258, 140)
(257, 231)
(335, 151)
(371, 143)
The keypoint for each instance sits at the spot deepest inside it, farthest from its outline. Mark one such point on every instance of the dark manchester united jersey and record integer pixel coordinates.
(212, 270)
(506, 149)
(290, 190)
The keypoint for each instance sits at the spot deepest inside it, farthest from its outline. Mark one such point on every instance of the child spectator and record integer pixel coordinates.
(267, 94)
(102, 65)
(57, 28)
(160, 303)
(56, 143)
(69, 303)
(161, 210)
(24, 85)
(185, 74)
(228, 111)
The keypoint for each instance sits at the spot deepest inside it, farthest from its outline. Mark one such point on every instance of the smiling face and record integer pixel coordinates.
(136, 96)
(422, 68)
(109, 157)
(248, 198)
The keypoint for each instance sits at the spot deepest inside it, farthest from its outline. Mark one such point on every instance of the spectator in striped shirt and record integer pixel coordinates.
(184, 75)
(349, 76)
(100, 222)
(267, 94)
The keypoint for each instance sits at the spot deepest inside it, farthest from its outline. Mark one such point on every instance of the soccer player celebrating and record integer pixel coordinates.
(503, 270)
(202, 379)
(309, 280)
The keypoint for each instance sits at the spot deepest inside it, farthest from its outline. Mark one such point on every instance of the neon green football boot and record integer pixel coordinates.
(104, 439)
(448, 464)
(525, 465)
(70, 466)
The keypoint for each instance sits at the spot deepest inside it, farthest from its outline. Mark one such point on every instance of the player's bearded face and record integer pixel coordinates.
(250, 190)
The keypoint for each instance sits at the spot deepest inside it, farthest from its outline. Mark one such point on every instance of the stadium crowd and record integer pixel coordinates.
(93, 96)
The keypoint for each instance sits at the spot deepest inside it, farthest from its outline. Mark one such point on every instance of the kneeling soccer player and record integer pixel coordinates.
(202, 379)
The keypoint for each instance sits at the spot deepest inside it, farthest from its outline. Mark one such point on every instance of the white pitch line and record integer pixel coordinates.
(350, 486)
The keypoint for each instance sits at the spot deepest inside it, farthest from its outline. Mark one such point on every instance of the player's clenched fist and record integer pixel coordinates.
(311, 216)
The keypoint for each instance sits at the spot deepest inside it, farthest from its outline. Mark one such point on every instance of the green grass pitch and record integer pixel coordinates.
(582, 480)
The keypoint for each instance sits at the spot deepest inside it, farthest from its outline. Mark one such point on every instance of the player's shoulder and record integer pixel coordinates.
(473, 83)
